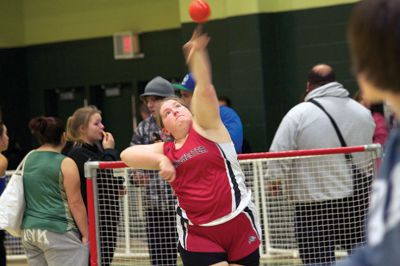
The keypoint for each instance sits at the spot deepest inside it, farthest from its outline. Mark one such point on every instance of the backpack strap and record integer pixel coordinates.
(335, 126)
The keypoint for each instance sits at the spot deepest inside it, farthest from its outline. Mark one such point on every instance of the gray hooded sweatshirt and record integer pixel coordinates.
(306, 126)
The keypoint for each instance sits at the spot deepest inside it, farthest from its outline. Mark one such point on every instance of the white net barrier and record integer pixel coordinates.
(312, 209)
(146, 231)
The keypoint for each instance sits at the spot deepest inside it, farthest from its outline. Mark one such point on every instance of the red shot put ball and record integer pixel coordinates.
(199, 11)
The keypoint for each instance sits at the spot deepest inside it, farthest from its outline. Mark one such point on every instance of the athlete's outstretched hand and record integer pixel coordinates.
(167, 170)
(198, 42)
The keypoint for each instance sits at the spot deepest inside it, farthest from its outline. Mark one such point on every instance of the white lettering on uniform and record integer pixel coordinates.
(41, 237)
(28, 235)
(36, 236)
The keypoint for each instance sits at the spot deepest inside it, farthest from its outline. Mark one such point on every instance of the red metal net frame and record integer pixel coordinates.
(257, 162)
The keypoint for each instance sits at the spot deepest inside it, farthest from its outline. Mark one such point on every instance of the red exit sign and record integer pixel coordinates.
(126, 45)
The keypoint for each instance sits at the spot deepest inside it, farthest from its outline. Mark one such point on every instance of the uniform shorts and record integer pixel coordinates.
(237, 238)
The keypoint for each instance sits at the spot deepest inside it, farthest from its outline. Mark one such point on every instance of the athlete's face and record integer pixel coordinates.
(176, 118)
(93, 132)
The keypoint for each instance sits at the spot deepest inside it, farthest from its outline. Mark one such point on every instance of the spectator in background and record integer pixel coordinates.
(375, 47)
(159, 199)
(91, 143)
(15, 153)
(229, 117)
(320, 205)
(55, 226)
(381, 129)
(144, 111)
(224, 101)
(390, 116)
(3, 167)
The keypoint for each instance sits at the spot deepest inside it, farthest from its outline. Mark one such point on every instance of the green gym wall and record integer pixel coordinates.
(261, 52)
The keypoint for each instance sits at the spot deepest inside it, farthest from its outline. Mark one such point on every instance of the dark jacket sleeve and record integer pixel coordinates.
(80, 158)
(110, 155)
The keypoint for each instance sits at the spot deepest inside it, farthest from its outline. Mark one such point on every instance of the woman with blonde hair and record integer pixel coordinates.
(91, 143)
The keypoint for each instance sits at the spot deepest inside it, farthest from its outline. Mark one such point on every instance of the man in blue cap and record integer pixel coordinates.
(229, 117)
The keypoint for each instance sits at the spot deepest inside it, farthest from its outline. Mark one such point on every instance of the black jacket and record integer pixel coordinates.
(84, 153)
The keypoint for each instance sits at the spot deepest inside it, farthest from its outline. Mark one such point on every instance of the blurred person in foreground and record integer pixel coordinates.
(374, 33)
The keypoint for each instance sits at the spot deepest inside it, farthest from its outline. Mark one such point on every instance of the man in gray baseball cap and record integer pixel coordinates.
(160, 201)
(158, 86)
(147, 131)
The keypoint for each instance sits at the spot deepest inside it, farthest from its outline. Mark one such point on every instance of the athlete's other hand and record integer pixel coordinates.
(167, 170)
